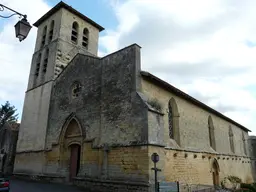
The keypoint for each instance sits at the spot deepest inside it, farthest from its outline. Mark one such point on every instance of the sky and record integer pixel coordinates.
(205, 48)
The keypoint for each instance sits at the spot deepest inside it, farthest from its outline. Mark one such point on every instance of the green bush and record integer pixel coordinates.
(248, 187)
(155, 104)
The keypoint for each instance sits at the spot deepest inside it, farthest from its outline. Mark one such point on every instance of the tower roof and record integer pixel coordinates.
(60, 5)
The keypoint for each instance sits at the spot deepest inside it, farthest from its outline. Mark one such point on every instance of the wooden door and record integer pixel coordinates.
(215, 175)
(74, 161)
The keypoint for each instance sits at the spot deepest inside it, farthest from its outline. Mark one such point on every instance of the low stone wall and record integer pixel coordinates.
(40, 178)
(89, 184)
(110, 185)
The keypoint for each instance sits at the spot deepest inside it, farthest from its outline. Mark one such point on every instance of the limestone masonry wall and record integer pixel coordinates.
(86, 106)
(252, 152)
(66, 27)
(57, 24)
(196, 168)
(34, 119)
(193, 124)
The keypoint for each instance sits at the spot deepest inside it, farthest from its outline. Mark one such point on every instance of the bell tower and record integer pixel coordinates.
(62, 33)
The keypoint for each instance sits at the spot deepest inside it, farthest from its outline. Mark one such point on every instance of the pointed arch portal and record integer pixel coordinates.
(215, 172)
(70, 146)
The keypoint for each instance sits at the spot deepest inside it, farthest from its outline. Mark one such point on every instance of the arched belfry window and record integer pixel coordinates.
(51, 31)
(38, 61)
(44, 36)
(46, 55)
(173, 118)
(74, 33)
(85, 38)
(211, 133)
(244, 144)
(231, 140)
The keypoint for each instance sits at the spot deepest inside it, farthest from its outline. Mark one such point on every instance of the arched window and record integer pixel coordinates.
(38, 61)
(231, 140)
(211, 133)
(44, 36)
(244, 144)
(74, 33)
(170, 119)
(51, 31)
(46, 54)
(85, 38)
(173, 118)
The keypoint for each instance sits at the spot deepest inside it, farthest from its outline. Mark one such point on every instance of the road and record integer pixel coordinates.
(30, 186)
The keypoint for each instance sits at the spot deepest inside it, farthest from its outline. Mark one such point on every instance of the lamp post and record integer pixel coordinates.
(155, 159)
(22, 27)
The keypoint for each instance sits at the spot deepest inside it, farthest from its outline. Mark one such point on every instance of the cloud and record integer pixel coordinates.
(206, 48)
(16, 56)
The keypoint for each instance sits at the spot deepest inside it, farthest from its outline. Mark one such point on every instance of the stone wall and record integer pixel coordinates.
(31, 162)
(193, 124)
(86, 106)
(124, 119)
(32, 133)
(193, 167)
(116, 168)
(252, 152)
(56, 17)
(9, 137)
(67, 20)
(63, 21)
(112, 186)
(194, 141)
(108, 107)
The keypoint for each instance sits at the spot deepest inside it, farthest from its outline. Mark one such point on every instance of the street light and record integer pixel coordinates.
(155, 159)
(22, 27)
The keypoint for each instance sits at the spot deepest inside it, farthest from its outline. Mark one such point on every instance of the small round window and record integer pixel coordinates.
(76, 89)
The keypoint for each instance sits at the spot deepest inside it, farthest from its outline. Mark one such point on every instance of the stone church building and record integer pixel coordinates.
(95, 121)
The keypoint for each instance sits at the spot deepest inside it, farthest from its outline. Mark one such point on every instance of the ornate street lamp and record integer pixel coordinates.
(22, 27)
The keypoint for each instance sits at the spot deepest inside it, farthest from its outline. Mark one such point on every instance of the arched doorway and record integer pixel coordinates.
(74, 166)
(215, 173)
(70, 148)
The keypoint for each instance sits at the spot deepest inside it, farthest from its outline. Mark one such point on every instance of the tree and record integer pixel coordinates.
(7, 114)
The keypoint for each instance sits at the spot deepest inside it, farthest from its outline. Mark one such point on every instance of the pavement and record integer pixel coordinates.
(32, 186)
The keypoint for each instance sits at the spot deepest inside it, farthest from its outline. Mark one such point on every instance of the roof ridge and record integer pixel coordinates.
(186, 96)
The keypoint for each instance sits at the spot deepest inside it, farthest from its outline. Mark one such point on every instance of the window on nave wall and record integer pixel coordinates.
(173, 120)
(170, 119)
(244, 144)
(231, 140)
(211, 133)
(74, 33)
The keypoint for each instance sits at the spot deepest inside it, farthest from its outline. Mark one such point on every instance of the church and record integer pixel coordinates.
(95, 121)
